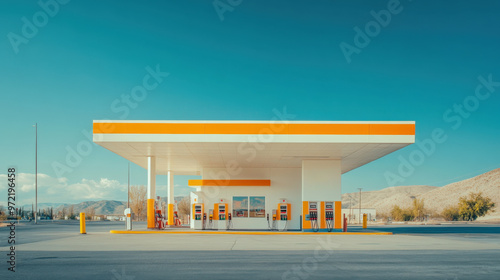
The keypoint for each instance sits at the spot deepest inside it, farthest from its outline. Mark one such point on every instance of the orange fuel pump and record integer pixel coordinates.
(285, 211)
(177, 221)
(221, 216)
(159, 224)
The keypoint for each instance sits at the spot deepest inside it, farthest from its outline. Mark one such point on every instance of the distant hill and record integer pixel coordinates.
(384, 199)
(102, 207)
(435, 198)
(43, 206)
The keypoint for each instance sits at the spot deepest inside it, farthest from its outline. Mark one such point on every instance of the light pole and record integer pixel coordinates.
(128, 186)
(351, 213)
(359, 217)
(36, 172)
(128, 213)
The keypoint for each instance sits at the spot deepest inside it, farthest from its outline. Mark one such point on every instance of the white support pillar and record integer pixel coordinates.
(151, 192)
(151, 178)
(171, 199)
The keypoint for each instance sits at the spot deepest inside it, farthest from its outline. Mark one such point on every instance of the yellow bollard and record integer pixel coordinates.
(365, 220)
(82, 223)
(150, 210)
(171, 215)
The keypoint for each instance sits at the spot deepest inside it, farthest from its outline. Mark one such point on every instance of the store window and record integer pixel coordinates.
(249, 206)
(257, 207)
(240, 206)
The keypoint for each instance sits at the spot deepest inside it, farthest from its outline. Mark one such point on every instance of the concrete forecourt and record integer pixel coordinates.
(57, 250)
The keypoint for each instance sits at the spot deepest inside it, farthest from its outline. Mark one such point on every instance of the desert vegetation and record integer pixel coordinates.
(416, 212)
(3, 215)
(469, 208)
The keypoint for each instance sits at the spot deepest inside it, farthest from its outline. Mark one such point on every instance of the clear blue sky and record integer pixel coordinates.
(263, 55)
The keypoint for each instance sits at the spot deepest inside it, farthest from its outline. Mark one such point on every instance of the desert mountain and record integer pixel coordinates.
(102, 207)
(383, 200)
(436, 198)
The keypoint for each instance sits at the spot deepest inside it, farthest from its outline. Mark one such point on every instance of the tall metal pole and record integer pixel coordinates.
(350, 206)
(359, 217)
(36, 173)
(128, 186)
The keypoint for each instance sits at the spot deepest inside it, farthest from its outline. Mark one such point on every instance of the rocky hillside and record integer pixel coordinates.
(436, 198)
(383, 200)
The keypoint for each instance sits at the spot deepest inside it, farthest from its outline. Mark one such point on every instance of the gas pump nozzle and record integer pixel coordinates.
(230, 222)
(204, 220)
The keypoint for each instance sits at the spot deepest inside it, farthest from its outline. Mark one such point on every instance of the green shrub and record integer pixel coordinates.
(450, 213)
(418, 210)
(399, 214)
(474, 206)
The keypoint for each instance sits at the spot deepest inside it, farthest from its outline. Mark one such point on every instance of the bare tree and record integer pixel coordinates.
(3, 216)
(72, 212)
(184, 207)
(90, 213)
(64, 211)
(138, 200)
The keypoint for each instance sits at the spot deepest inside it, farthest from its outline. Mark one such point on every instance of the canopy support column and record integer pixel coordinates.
(151, 192)
(171, 200)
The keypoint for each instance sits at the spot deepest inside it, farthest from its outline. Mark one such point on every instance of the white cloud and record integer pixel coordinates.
(179, 190)
(58, 190)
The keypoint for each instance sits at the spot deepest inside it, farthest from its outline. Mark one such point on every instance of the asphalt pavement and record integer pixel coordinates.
(56, 250)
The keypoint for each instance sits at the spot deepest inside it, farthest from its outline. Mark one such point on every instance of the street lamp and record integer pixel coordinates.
(128, 186)
(36, 172)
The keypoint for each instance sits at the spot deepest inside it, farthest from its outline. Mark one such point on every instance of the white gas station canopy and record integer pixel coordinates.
(186, 147)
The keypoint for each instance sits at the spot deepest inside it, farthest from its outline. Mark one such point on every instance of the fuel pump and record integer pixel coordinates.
(313, 215)
(198, 213)
(284, 214)
(204, 220)
(159, 220)
(329, 215)
(159, 223)
(177, 220)
(221, 210)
